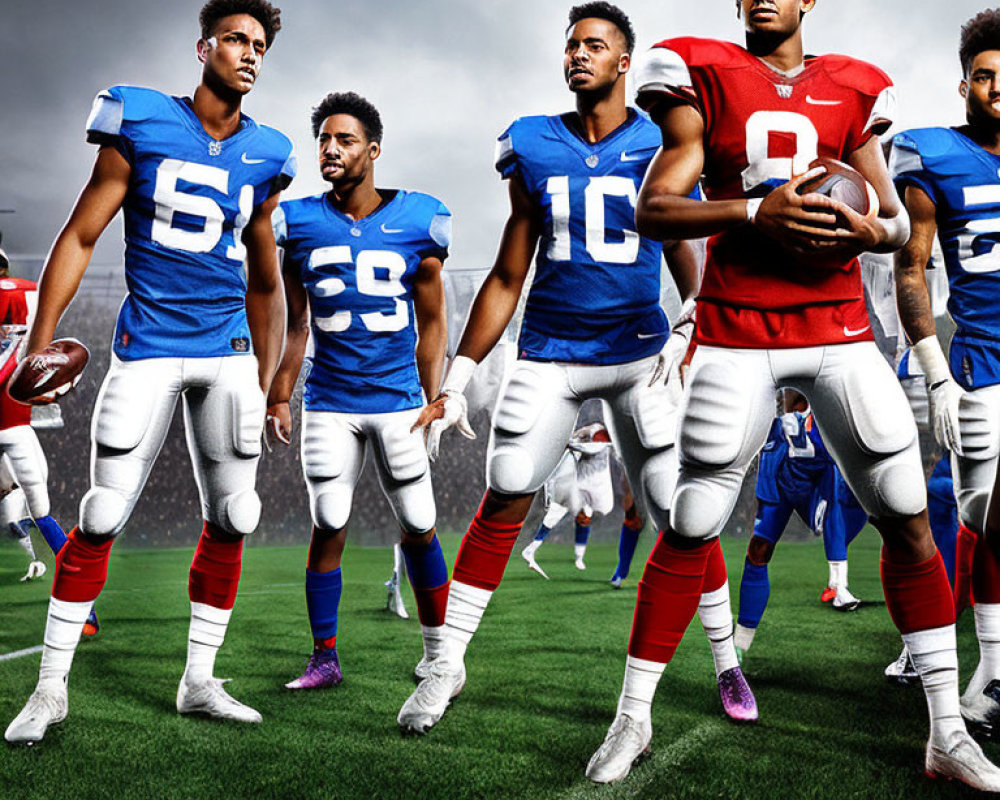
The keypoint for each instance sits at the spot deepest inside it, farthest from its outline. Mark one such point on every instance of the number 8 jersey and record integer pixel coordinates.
(189, 198)
(762, 127)
(596, 291)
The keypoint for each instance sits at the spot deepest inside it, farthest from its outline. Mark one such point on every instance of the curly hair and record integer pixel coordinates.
(267, 15)
(612, 14)
(979, 34)
(354, 105)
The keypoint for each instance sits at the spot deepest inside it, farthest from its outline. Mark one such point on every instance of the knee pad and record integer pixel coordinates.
(330, 508)
(700, 508)
(102, 512)
(511, 470)
(240, 513)
(899, 486)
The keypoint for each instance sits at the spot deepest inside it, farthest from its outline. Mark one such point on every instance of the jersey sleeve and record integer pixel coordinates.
(438, 233)
(106, 123)
(876, 107)
(662, 76)
(280, 225)
(289, 169)
(907, 167)
(505, 157)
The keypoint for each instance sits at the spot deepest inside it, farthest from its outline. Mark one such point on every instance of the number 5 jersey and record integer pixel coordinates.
(189, 198)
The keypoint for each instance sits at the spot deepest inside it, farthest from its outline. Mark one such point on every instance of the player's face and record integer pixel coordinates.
(595, 56)
(981, 89)
(345, 154)
(774, 16)
(234, 53)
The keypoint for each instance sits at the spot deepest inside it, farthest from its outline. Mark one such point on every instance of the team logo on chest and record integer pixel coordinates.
(591, 160)
(215, 148)
(784, 90)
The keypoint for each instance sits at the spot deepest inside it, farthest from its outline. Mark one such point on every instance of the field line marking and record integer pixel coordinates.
(651, 770)
(19, 653)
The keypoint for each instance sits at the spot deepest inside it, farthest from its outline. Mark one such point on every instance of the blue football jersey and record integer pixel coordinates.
(794, 458)
(963, 181)
(189, 199)
(358, 276)
(596, 290)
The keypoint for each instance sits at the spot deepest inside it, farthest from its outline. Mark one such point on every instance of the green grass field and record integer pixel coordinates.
(543, 679)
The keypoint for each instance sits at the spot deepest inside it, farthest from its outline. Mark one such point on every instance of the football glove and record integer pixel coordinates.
(456, 414)
(944, 393)
(35, 570)
(670, 358)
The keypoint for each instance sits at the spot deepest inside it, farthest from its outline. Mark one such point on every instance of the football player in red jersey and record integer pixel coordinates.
(781, 305)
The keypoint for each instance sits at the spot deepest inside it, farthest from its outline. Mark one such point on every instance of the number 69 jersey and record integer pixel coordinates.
(358, 277)
(961, 178)
(596, 291)
(189, 198)
(762, 127)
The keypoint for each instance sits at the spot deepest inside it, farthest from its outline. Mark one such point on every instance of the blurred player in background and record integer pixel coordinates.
(797, 475)
(362, 271)
(781, 304)
(592, 328)
(950, 183)
(203, 320)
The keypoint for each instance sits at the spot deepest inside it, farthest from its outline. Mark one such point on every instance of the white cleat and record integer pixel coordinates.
(627, 741)
(528, 554)
(210, 699)
(430, 699)
(844, 600)
(47, 706)
(981, 711)
(423, 668)
(901, 671)
(394, 599)
(35, 570)
(962, 760)
(616, 582)
(579, 563)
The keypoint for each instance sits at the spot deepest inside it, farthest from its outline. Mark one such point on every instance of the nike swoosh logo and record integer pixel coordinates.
(251, 161)
(631, 157)
(391, 230)
(814, 102)
(648, 335)
(858, 332)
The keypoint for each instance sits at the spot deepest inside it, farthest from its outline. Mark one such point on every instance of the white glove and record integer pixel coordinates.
(670, 358)
(35, 570)
(943, 392)
(456, 414)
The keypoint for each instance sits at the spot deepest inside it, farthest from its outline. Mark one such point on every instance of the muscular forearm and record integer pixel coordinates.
(430, 354)
(664, 216)
(291, 364)
(266, 317)
(912, 298)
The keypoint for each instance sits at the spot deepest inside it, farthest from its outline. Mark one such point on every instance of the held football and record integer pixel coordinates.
(49, 374)
(844, 183)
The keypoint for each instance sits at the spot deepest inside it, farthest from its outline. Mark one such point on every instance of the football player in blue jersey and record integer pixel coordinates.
(203, 321)
(949, 180)
(362, 271)
(592, 328)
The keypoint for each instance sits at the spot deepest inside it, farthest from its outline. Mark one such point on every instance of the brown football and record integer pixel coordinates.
(48, 374)
(842, 182)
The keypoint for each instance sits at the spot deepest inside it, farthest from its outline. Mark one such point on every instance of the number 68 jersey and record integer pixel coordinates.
(358, 276)
(763, 127)
(188, 200)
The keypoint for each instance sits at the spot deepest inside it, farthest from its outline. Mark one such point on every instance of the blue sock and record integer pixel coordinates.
(323, 602)
(582, 534)
(425, 564)
(627, 541)
(543, 532)
(54, 536)
(755, 589)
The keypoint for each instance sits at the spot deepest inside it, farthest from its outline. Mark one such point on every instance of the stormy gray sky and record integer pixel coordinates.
(447, 76)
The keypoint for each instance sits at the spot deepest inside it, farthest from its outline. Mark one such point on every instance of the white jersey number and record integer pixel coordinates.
(988, 261)
(370, 283)
(761, 167)
(598, 189)
(170, 201)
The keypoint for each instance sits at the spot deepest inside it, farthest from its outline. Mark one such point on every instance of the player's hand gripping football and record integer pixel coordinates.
(671, 357)
(803, 223)
(278, 424)
(449, 409)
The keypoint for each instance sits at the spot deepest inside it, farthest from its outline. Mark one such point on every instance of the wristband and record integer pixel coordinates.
(931, 359)
(459, 375)
(753, 205)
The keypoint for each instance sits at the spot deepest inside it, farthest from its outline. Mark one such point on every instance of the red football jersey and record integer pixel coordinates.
(762, 127)
(17, 306)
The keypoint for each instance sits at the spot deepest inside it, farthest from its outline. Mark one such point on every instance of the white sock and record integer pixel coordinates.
(743, 637)
(579, 550)
(529, 551)
(838, 574)
(934, 656)
(27, 546)
(639, 686)
(205, 637)
(466, 606)
(716, 617)
(63, 628)
(988, 632)
(433, 640)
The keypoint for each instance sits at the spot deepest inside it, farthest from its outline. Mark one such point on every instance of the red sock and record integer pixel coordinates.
(669, 593)
(485, 551)
(965, 548)
(215, 569)
(431, 604)
(918, 596)
(325, 644)
(81, 569)
(715, 569)
(985, 573)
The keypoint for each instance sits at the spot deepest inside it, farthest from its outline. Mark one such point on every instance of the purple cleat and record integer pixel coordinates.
(322, 671)
(737, 699)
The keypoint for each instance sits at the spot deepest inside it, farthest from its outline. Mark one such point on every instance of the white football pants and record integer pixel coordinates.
(975, 470)
(20, 448)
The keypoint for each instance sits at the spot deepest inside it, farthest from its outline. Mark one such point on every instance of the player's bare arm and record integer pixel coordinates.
(665, 211)
(67, 261)
(265, 301)
(279, 415)
(432, 324)
(912, 297)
